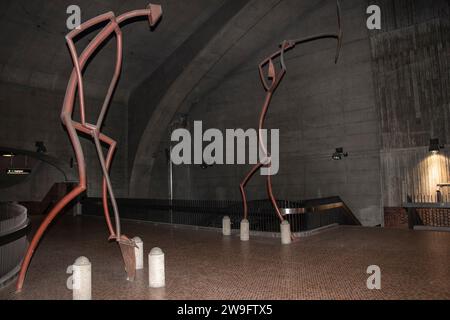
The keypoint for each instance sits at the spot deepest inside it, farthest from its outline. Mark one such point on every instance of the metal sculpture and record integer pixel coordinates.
(154, 13)
(275, 78)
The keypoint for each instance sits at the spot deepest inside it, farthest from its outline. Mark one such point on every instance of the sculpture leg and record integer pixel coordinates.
(58, 207)
(126, 245)
(108, 181)
(112, 146)
(274, 202)
(242, 187)
(109, 156)
(272, 198)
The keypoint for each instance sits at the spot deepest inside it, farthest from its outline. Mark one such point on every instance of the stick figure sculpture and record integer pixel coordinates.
(153, 12)
(275, 78)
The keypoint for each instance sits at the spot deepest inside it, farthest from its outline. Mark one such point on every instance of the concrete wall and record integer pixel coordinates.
(31, 114)
(319, 106)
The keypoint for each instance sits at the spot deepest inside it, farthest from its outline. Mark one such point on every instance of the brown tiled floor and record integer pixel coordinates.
(205, 265)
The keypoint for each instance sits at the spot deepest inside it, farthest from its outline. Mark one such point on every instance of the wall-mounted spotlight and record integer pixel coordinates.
(40, 147)
(18, 172)
(8, 154)
(435, 146)
(339, 154)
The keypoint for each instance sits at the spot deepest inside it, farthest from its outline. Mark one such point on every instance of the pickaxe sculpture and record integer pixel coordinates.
(153, 12)
(275, 78)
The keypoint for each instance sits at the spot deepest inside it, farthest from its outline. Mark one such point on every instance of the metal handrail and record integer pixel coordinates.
(318, 208)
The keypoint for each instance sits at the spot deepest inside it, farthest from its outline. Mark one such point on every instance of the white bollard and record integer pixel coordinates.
(285, 232)
(82, 279)
(226, 226)
(156, 274)
(139, 253)
(245, 230)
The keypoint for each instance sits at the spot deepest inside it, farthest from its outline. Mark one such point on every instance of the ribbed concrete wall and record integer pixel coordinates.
(411, 70)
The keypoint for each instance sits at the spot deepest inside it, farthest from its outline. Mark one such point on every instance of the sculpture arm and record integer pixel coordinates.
(289, 44)
(78, 61)
(153, 12)
(275, 76)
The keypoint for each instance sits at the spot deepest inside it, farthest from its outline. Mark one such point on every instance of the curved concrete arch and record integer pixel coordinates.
(172, 100)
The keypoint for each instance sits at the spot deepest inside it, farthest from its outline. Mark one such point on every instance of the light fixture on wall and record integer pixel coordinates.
(339, 154)
(435, 146)
(8, 154)
(18, 171)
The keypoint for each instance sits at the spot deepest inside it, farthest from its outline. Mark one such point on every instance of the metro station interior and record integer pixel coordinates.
(225, 149)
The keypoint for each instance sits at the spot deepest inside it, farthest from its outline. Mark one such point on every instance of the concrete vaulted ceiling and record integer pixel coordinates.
(34, 51)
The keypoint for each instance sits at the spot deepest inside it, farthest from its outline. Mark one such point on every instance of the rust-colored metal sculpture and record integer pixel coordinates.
(275, 78)
(154, 13)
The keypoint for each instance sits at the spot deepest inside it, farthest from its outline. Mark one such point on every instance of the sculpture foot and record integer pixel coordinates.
(127, 248)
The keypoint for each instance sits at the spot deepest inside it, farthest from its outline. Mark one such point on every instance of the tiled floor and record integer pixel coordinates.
(206, 265)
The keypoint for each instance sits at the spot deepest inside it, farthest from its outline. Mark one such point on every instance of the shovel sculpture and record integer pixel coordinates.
(153, 12)
(270, 86)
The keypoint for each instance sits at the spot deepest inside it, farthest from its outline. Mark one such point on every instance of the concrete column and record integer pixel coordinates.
(139, 253)
(285, 232)
(226, 226)
(156, 274)
(245, 230)
(82, 279)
